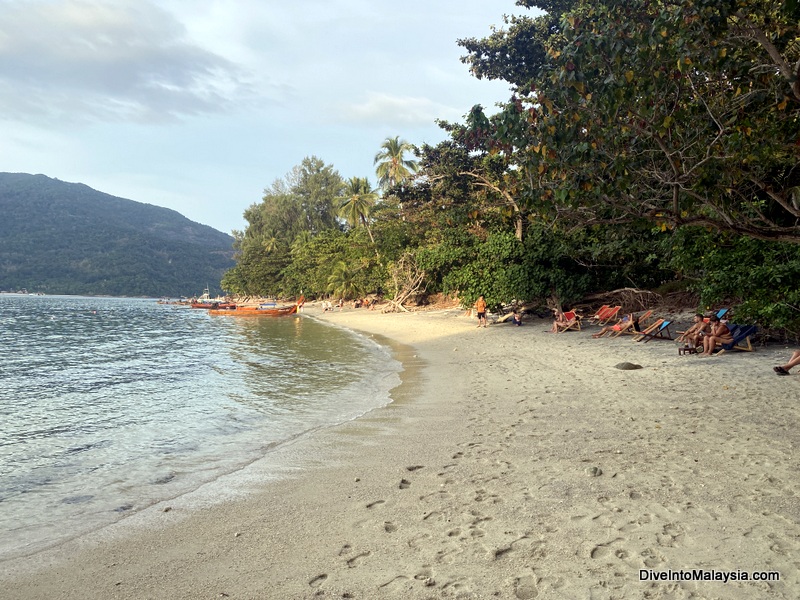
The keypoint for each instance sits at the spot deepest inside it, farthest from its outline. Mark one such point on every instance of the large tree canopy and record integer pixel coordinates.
(679, 112)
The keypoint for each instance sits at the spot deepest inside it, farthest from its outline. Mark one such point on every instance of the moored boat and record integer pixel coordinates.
(214, 305)
(255, 311)
(207, 302)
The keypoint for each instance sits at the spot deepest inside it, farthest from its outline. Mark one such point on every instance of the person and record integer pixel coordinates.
(631, 317)
(695, 333)
(480, 308)
(516, 319)
(718, 334)
(793, 361)
(341, 303)
(560, 320)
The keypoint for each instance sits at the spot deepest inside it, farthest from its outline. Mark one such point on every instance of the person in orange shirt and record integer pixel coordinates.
(480, 307)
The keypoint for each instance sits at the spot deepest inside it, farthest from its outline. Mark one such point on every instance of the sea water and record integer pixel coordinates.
(109, 405)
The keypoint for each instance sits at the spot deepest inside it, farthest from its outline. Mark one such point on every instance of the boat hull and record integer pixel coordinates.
(243, 311)
(214, 305)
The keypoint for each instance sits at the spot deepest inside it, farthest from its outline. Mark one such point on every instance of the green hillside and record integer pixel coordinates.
(66, 238)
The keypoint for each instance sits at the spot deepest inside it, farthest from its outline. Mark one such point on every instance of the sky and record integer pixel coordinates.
(199, 105)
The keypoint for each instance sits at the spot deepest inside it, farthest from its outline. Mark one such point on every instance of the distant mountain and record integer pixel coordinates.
(66, 238)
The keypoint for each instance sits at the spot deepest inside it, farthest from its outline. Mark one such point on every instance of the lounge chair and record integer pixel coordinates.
(573, 322)
(610, 314)
(658, 330)
(599, 313)
(741, 338)
(628, 326)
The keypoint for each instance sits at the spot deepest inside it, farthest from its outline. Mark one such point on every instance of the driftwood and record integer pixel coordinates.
(408, 280)
(631, 299)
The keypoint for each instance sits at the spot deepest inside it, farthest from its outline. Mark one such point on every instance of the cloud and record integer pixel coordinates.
(397, 111)
(109, 61)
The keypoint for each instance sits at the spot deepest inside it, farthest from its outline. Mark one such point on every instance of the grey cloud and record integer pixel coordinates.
(99, 60)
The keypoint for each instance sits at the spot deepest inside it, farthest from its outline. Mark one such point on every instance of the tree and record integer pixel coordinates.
(357, 202)
(391, 166)
(343, 281)
(679, 113)
(296, 207)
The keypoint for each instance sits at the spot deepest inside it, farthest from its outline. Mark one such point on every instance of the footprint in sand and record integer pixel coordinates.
(413, 468)
(376, 503)
(356, 560)
(389, 527)
(525, 588)
(317, 581)
(404, 484)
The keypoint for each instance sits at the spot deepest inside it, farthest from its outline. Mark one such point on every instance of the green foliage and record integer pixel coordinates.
(391, 166)
(299, 206)
(761, 279)
(66, 238)
(343, 282)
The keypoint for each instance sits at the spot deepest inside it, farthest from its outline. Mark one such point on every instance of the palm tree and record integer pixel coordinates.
(357, 202)
(391, 167)
(342, 281)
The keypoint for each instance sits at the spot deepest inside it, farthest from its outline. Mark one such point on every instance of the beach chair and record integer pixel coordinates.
(573, 322)
(661, 332)
(649, 329)
(599, 313)
(658, 329)
(742, 335)
(609, 315)
(645, 317)
(628, 328)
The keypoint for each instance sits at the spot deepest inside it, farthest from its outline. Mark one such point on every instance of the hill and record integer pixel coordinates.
(67, 238)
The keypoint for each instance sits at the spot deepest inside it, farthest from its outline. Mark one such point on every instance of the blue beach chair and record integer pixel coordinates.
(742, 335)
(661, 332)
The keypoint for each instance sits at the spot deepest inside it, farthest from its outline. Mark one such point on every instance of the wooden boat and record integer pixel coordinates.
(207, 302)
(255, 311)
(214, 305)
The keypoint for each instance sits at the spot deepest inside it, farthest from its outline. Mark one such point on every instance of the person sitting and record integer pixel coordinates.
(793, 361)
(693, 335)
(619, 326)
(719, 334)
(516, 319)
(559, 322)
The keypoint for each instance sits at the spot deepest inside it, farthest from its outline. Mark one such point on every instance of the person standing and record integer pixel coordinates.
(480, 307)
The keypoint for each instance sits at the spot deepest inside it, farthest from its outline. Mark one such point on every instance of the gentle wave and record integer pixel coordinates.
(109, 405)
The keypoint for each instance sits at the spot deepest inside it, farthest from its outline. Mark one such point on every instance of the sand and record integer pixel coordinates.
(511, 464)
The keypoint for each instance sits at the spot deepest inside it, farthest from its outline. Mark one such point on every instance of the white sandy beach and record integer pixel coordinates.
(512, 464)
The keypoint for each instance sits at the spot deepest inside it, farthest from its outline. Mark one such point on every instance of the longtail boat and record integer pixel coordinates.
(255, 311)
(214, 305)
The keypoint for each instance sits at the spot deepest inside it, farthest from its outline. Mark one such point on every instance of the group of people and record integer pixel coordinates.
(327, 305)
(705, 335)
(702, 337)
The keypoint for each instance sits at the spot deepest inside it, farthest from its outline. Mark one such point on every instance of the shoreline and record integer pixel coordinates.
(511, 463)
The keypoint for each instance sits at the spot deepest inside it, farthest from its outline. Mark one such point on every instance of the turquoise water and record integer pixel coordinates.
(110, 405)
